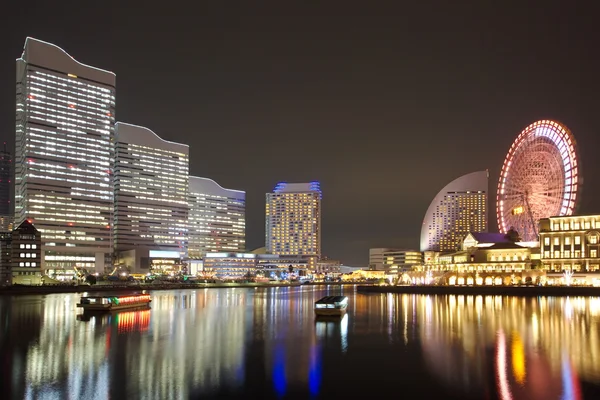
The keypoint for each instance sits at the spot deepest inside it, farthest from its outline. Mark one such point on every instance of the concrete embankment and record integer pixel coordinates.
(29, 290)
(528, 291)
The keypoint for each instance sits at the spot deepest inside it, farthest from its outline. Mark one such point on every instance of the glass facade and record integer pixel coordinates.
(64, 155)
(293, 219)
(151, 191)
(217, 221)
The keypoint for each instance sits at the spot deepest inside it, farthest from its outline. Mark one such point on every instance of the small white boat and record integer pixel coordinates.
(331, 306)
(114, 303)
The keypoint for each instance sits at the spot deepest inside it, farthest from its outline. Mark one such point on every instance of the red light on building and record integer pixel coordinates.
(31, 96)
(71, 105)
(70, 224)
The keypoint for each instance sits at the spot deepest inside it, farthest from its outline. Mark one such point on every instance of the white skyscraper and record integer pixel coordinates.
(65, 113)
(151, 200)
(293, 220)
(217, 221)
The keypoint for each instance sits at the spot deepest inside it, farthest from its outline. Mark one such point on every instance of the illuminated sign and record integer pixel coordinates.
(517, 210)
(164, 254)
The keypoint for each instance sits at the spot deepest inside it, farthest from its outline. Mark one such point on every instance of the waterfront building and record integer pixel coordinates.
(570, 243)
(501, 263)
(64, 156)
(151, 201)
(279, 264)
(216, 218)
(393, 261)
(293, 220)
(5, 258)
(358, 275)
(328, 266)
(26, 254)
(247, 265)
(459, 208)
(377, 258)
(5, 182)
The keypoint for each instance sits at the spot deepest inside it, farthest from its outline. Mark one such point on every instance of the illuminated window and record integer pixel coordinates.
(22, 246)
(568, 240)
(577, 239)
(593, 253)
(547, 241)
(556, 241)
(593, 239)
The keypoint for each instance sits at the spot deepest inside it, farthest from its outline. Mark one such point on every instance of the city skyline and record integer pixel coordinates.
(344, 102)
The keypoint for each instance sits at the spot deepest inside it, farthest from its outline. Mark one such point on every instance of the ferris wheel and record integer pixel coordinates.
(540, 178)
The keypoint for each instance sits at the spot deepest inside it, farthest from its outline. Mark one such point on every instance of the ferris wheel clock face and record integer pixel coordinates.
(539, 178)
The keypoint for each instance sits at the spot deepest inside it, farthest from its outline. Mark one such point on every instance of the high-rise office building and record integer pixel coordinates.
(64, 156)
(5, 181)
(459, 208)
(293, 220)
(151, 200)
(6, 212)
(217, 221)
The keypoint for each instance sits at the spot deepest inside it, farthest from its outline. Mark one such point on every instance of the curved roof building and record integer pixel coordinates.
(217, 220)
(151, 191)
(459, 208)
(64, 131)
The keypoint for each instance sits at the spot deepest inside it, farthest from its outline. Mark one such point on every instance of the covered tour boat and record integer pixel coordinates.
(113, 303)
(331, 306)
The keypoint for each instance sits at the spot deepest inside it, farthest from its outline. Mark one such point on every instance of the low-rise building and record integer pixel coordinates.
(570, 249)
(393, 261)
(5, 249)
(503, 262)
(26, 255)
(328, 266)
(570, 243)
(246, 265)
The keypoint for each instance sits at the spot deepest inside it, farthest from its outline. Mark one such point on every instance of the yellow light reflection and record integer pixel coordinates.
(518, 358)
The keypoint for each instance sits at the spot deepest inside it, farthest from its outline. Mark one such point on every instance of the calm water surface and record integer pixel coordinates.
(265, 343)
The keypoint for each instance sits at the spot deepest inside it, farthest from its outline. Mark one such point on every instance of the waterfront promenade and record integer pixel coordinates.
(528, 291)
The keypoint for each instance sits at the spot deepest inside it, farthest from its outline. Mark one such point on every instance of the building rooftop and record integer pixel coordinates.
(505, 246)
(490, 237)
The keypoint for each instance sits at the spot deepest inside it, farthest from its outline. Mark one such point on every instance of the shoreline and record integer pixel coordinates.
(35, 290)
(523, 291)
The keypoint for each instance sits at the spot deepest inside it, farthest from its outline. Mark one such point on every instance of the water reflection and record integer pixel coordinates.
(536, 348)
(266, 343)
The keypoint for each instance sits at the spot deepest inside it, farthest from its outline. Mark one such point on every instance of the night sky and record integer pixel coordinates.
(384, 105)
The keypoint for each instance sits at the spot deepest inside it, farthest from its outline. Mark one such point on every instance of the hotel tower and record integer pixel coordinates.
(293, 220)
(217, 220)
(65, 113)
(459, 208)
